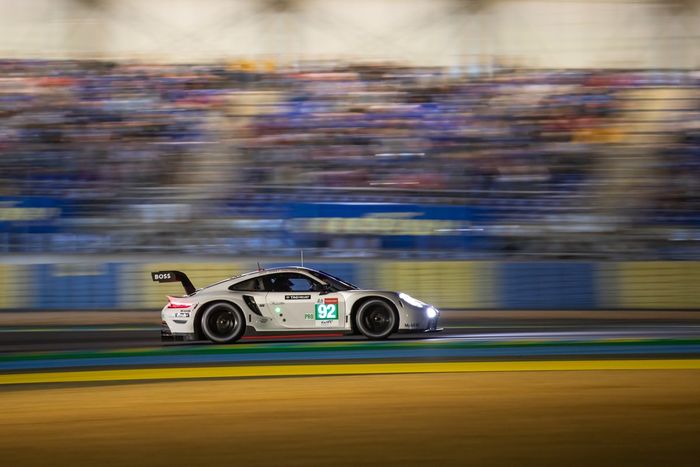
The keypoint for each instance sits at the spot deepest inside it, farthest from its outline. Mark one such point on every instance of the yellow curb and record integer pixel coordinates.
(150, 374)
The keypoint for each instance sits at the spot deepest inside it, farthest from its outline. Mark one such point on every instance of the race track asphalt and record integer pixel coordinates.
(497, 390)
(89, 332)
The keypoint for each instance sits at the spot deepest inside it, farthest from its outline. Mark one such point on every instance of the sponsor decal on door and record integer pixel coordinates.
(327, 313)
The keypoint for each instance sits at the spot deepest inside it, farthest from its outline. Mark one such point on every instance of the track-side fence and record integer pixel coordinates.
(497, 285)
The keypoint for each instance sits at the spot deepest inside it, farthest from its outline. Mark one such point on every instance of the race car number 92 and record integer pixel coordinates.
(326, 311)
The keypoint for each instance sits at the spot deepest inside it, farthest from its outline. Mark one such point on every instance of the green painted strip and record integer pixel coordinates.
(295, 347)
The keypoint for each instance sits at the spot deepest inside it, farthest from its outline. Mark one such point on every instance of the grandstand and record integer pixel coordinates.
(111, 157)
(470, 129)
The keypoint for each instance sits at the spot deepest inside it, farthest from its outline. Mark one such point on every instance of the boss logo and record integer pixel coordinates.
(159, 277)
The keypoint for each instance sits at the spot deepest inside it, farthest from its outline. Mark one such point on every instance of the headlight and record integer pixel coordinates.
(410, 300)
(431, 312)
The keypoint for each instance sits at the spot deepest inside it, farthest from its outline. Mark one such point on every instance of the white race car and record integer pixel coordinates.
(290, 299)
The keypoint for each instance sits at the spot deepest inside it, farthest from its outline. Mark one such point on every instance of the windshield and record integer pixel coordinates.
(335, 282)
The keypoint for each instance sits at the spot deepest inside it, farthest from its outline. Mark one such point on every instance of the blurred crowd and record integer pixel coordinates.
(561, 158)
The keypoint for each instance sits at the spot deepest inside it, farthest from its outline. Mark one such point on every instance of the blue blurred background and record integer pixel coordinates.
(482, 171)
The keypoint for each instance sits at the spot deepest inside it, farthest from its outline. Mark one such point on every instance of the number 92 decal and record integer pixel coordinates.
(329, 311)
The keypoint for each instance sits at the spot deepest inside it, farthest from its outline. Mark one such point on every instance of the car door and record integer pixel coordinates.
(298, 302)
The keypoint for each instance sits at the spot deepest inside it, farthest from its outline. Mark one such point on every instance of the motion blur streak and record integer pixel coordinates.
(341, 369)
(530, 168)
(511, 418)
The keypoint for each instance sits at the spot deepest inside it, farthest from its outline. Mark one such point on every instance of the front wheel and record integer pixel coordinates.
(376, 319)
(223, 323)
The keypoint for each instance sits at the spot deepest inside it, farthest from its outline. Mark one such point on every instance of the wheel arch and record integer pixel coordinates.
(202, 308)
(359, 302)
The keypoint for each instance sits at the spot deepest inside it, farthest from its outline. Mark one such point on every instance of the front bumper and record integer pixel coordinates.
(433, 324)
(432, 327)
(415, 319)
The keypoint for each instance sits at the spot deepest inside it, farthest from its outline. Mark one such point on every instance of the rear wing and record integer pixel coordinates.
(174, 276)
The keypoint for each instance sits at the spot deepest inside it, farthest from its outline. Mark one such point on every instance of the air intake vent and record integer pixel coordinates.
(250, 301)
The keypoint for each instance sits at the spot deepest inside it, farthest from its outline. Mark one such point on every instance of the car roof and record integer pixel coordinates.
(260, 272)
(276, 270)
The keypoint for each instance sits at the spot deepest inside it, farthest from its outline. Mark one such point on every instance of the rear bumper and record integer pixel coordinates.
(166, 335)
(178, 338)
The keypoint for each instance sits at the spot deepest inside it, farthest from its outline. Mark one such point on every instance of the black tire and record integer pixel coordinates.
(376, 319)
(222, 323)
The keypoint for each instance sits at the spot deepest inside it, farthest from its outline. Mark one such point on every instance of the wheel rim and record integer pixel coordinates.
(377, 319)
(222, 323)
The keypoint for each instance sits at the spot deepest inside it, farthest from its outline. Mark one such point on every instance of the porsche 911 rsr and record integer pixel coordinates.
(290, 299)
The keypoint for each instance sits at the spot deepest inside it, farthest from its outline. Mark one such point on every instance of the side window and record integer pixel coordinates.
(288, 282)
(247, 286)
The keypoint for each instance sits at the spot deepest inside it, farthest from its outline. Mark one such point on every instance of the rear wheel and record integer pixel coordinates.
(376, 319)
(223, 323)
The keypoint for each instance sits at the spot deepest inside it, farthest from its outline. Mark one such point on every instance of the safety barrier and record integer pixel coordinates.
(484, 285)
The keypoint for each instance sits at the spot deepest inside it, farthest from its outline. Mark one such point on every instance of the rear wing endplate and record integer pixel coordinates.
(174, 276)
